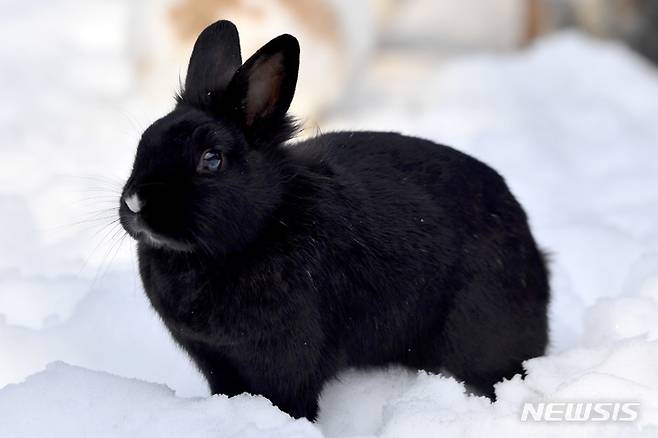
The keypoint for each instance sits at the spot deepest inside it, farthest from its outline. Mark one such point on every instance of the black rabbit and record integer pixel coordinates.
(277, 265)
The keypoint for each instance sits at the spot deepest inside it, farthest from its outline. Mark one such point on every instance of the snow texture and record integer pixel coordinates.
(571, 124)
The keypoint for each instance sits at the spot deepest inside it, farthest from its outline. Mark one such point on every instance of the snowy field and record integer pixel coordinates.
(571, 123)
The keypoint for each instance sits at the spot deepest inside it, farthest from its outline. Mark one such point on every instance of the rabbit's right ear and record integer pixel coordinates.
(215, 59)
(263, 88)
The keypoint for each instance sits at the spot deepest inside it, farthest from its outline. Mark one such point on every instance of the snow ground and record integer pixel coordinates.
(571, 123)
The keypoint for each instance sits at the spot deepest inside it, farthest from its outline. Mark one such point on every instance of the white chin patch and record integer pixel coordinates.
(161, 242)
(133, 202)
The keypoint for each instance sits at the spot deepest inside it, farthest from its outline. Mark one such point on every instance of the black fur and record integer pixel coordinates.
(351, 249)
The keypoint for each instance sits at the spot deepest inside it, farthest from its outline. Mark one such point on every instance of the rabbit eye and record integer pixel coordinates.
(211, 161)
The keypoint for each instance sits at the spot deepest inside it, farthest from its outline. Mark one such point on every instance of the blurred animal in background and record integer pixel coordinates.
(335, 35)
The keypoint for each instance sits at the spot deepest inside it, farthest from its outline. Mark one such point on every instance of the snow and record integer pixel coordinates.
(570, 123)
(92, 403)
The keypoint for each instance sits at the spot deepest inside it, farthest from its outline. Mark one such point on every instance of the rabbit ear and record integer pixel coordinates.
(215, 59)
(264, 86)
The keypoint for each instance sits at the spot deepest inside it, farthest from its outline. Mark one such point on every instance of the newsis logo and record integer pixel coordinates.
(580, 411)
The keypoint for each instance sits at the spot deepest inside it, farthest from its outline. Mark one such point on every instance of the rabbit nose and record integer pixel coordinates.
(133, 202)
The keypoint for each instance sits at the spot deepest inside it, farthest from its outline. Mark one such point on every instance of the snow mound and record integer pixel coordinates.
(66, 401)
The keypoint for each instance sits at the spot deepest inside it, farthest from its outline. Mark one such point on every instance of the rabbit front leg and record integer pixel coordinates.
(294, 390)
(289, 370)
(301, 402)
(220, 371)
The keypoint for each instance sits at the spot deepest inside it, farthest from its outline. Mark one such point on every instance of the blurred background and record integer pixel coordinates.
(362, 54)
(560, 96)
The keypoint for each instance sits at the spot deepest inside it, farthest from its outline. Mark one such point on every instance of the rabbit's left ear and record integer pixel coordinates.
(215, 59)
(263, 88)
